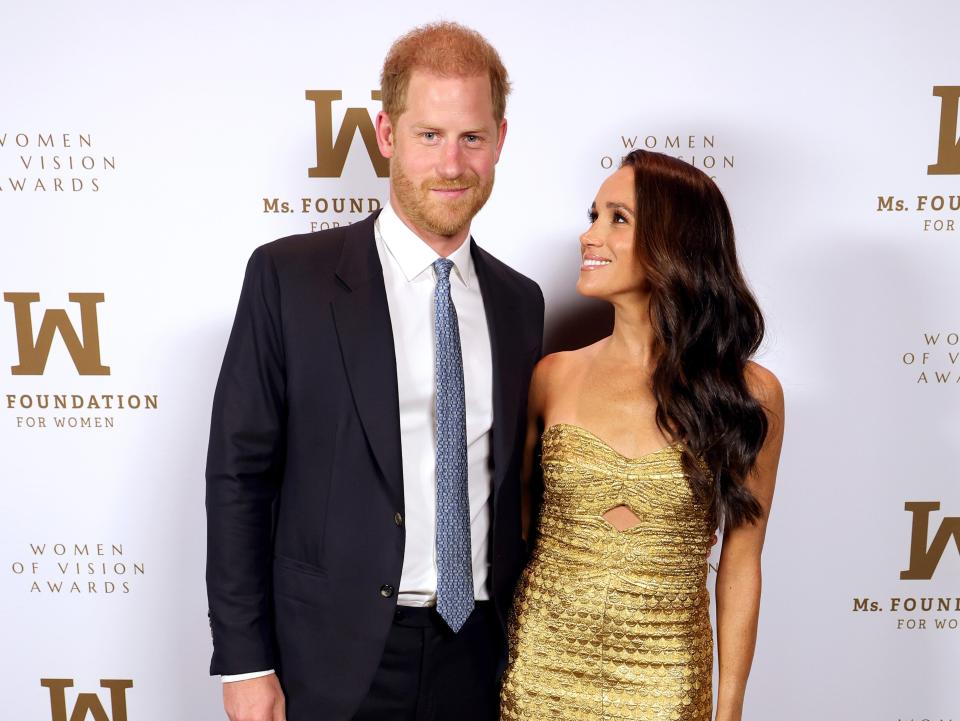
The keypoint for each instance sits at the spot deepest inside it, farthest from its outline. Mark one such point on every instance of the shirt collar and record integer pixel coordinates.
(413, 255)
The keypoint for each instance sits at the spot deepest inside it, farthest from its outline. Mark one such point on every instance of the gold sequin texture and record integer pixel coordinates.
(609, 624)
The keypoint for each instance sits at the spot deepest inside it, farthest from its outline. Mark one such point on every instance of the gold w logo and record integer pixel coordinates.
(332, 155)
(948, 155)
(33, 354)
(87, 703)
(924, 559)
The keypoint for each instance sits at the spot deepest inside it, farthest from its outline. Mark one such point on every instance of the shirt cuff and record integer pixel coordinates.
(244, 676)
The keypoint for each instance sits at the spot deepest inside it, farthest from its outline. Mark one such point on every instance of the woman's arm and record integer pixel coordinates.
(738, 577)
(535, 407)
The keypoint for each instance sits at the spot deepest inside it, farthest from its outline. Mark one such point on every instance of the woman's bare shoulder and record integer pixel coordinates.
(763, 385)
(545, 373)
(554, 367)
(555, 372)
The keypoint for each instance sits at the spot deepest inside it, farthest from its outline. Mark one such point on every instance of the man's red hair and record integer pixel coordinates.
(443, 48)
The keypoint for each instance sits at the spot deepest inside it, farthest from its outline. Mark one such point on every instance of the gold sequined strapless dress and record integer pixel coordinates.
(609, 624)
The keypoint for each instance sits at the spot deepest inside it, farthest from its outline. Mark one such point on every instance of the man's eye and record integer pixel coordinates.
(428, 135)
(473, 138)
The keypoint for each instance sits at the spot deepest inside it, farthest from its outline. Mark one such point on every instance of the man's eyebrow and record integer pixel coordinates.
(618, 206)
(435, 129)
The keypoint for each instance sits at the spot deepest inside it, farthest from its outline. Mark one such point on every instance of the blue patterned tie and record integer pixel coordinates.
(454, 560)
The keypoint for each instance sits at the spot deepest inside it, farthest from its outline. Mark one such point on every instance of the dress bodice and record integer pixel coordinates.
(584, 477)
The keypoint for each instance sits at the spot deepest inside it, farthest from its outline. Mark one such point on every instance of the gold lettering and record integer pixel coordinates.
(332, 156)
(948, 153)
(924, 560)
(33, 355)
(87, 703)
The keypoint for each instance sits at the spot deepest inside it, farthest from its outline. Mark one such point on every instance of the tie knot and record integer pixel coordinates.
(442, 268)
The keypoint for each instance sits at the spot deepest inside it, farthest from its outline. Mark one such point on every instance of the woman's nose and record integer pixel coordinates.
(587, 239)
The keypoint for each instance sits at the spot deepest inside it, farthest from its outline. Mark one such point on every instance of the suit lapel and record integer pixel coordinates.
(507, 349)
(362, 319)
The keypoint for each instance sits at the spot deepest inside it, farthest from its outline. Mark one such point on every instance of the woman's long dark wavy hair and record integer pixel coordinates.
(706, 326)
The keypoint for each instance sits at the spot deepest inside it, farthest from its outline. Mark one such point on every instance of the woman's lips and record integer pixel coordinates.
(594, 263)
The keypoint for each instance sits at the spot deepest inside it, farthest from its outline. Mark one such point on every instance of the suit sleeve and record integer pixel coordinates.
(536, 476)
(243, 472)
(540, 320)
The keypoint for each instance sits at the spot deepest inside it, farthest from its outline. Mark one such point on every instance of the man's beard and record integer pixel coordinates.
(443, 217)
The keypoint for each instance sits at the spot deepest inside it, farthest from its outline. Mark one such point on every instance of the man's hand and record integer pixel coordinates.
(256, 699)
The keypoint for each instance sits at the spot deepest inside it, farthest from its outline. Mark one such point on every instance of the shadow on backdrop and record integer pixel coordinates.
(578, 323)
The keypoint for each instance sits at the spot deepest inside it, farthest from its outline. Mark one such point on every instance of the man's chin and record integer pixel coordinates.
(448, 230)
(447, 223)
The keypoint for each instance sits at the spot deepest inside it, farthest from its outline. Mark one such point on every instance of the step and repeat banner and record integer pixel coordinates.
(145, 152)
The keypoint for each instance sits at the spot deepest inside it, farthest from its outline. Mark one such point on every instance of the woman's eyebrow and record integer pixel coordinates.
(619, 206)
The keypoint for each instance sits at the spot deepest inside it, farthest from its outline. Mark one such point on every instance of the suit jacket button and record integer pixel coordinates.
(386, 590)
(398, 518)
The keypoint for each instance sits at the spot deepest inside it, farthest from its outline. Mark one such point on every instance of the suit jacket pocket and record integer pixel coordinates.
(299, 580)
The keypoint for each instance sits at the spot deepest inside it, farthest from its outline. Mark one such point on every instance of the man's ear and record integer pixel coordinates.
(501, 134)
(385, 135)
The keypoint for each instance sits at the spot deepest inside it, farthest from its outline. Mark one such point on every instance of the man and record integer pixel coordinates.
(363, 474)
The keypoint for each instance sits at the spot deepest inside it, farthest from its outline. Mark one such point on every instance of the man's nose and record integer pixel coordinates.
(451, 162)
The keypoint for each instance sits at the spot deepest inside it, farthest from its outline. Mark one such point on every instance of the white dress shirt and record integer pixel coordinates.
(410, 282)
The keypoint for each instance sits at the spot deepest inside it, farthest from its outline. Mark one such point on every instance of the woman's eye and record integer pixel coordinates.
(618, 217)
(592, 216)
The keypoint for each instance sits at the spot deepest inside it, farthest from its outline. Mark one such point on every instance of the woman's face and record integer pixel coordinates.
(609, 265)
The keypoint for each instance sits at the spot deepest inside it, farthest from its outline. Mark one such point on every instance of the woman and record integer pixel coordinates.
(654, 437)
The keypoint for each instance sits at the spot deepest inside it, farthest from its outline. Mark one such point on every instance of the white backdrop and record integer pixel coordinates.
(194, 117)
